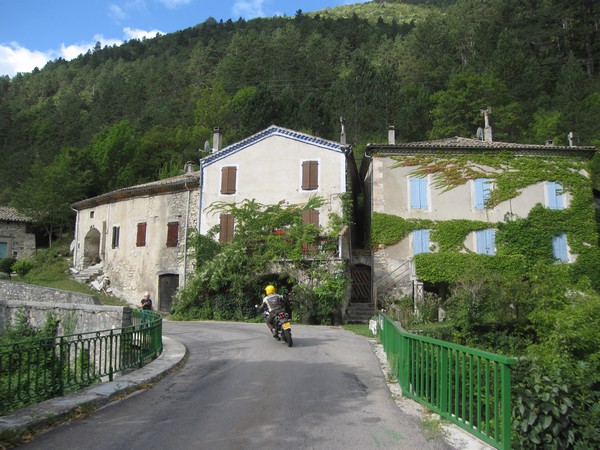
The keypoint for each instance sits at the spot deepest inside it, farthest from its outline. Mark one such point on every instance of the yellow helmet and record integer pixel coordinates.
(270, 289)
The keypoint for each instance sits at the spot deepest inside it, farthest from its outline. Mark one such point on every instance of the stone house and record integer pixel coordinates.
(17, 240)
(473, 184)
(138, 235)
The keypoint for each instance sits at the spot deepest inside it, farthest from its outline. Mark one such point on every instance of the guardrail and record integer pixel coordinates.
(470, 388)
(39, 369)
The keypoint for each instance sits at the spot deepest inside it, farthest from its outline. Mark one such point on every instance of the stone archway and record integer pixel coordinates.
(91, 248)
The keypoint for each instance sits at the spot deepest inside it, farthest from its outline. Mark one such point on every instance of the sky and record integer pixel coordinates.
(33, 32)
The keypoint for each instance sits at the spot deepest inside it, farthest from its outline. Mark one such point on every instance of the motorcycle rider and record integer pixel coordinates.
(273, 303)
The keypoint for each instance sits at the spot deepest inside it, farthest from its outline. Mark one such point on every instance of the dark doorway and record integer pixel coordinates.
(361, 283)
(167, 286)
(91, 248)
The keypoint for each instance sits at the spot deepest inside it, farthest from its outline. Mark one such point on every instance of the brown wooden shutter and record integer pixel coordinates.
(141, 234)
(172, 234)
(228, 178)
(226, 230)
(310, 216)
(310, 175)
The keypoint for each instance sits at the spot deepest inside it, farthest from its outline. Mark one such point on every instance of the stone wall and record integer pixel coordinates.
(73, 318)
(10, 290)
(77, 313)
(20, 243)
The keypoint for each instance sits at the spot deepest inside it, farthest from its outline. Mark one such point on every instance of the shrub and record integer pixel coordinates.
(6, 265)
(23, 266)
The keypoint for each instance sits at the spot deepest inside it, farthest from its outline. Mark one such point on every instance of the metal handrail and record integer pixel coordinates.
(39, 369)
(469, 387)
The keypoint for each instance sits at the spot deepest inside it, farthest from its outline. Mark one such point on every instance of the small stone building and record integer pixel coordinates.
(17, 240)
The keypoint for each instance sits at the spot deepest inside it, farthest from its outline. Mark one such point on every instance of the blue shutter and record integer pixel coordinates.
(559, 248)
(486, 241)
(418, 193)
(555, 195)
(420, 241)
(482, 192)
(3, 249)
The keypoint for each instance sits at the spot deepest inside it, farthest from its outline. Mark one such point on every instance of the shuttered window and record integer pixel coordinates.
(418, 193)
(559, 248)
(482, 192)
(172, 234)
(310, 216)
(140, 240)
(420, 241)
(555, 195)
(310, 175)
(228, 179)
(226, 228)
(486, 241)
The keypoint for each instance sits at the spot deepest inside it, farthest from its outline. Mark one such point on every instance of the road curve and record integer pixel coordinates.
(241, 389)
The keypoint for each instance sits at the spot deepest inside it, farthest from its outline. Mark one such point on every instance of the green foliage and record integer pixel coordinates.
(229, 278)
(6, 265)
(23, 266)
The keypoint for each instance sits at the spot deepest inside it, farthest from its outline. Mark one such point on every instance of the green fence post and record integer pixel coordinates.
(506, 409)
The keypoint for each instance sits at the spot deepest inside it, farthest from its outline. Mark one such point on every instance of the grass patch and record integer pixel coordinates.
(362, 329)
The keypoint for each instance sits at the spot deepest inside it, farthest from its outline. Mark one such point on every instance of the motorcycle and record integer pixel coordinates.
(283, 327)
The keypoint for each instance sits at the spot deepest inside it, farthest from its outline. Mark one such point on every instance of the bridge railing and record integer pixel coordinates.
(39, 369)
(468, 387)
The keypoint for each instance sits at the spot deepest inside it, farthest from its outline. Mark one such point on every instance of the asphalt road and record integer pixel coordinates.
(241, 389)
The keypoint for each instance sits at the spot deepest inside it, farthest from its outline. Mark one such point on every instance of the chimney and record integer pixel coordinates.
(217, 137)
(391, 135)
(487, 131)
(342, 132)
(189, 167)
(570, 136)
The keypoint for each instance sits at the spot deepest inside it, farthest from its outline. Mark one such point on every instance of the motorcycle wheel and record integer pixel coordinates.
(287, 337)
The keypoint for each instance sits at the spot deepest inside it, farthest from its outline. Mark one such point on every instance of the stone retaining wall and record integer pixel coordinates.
(77, 313)
(12, 290)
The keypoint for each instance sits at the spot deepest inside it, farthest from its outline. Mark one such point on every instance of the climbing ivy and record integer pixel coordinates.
(521, 242)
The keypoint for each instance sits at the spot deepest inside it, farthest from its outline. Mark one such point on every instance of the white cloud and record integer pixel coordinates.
(172, 4)
(248, 9)
(15, 59)
(116, 12)
(131, 33)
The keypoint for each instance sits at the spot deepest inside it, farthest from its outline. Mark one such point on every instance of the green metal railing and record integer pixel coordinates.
(39, 369)
(470, 388)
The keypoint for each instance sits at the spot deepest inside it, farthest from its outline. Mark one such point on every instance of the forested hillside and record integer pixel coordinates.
(122, 115)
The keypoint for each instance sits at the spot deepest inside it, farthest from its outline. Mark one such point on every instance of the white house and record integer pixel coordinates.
(138, 235)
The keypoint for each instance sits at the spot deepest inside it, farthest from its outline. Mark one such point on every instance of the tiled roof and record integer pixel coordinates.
(274, 130)
(8, 214)
(458, 144)
(173, 184)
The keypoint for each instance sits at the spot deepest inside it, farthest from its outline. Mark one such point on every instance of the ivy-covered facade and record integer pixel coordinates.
(437, 208)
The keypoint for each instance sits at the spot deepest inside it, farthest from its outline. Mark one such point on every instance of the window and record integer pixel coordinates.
(559, 248)
(420, 241)
(310, 216)
(172, 234)
(483, 188)
(228, 179)
(140, 239)
(226, 230)
(310, 175)
(115, 237)
(91, 214)
(555, 195)
(486, 241)
(3, 249)
(418, 193)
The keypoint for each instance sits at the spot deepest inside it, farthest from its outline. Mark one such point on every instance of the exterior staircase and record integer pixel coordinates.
(359, 312)
(88, 274)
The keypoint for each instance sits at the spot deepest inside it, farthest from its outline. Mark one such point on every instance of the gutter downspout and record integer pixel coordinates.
(185, 238)
(76, 237)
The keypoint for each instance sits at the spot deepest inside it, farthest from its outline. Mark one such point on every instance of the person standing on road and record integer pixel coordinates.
(146, 302)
